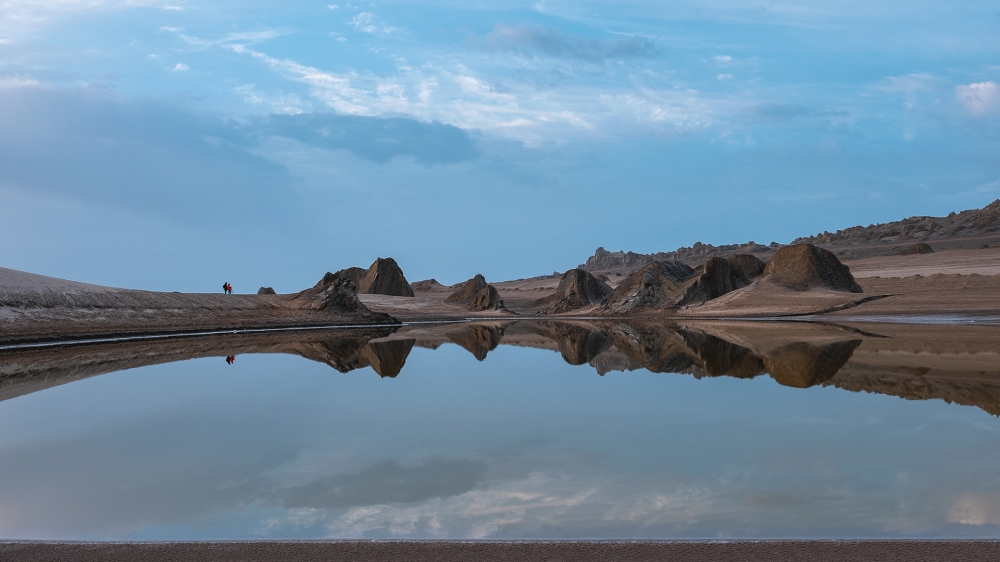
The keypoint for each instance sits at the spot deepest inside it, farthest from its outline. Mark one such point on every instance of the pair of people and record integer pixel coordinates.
(227, 288)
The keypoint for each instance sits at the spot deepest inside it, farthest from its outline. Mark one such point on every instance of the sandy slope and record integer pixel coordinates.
(35, 307)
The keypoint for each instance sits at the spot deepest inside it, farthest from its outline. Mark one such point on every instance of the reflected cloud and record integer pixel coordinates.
(388, 482)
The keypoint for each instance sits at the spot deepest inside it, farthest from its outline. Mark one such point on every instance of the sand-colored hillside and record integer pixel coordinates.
(38, 308)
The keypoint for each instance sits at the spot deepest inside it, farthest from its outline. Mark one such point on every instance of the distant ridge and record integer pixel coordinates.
(964, 230)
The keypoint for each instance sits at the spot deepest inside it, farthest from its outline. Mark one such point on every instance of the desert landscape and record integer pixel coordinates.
(876, 272)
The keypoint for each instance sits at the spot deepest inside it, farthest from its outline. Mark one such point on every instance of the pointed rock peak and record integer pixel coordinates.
(385, 277)
(476, 295)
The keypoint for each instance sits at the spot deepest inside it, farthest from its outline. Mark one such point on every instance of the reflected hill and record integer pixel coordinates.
(959, 364)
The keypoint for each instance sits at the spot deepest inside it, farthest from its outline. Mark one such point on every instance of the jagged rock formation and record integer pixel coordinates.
(803, 266)
(426, 285)
(717, 277)
(335, 295)
(624, 262)
(657, 285)
(266, 291)
(964, 230)
(353, 274)
(967, 224)
(384, 277)
(577, 289)
(671, 285)
(476, 295)
(918, 248)
(750, 266)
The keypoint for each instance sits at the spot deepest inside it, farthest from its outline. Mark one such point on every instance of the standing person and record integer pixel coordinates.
(229, 288)
(225, 288)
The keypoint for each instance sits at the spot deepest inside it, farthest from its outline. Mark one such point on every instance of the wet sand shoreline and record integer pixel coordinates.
(526, 551)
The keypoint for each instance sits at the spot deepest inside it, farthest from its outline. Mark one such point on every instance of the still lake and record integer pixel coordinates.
(508, 430)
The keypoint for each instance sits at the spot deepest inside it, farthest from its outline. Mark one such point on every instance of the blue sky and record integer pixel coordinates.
(174, 145)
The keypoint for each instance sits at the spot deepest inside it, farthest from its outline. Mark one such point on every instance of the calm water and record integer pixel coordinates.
(745, 430)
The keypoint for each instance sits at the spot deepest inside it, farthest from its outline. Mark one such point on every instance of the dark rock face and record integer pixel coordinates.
(338, 295)
(426, 285)
(384, 277)
(657, 285)
(918, 248)
(577, 289)
(476, 295)
(717, 277)
(265, 291)
(803, 266)
(751, 266)
(353, 274)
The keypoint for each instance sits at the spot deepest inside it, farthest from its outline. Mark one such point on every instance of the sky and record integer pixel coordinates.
(175, 145)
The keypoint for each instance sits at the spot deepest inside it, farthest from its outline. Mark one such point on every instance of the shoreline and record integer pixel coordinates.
(68, 339)
(815, 550)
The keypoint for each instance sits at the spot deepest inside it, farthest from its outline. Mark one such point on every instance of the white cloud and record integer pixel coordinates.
(909, 83)
(333, 6)
(367, 22)
(461, 98)
(975, 510)
(7, 82)
(979, 97)
(180, 67)
(245, 37)
(721, 77)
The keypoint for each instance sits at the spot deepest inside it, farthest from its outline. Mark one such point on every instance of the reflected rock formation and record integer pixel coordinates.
(478, 339)
(958, 364)
(803, 365)
(387, 357)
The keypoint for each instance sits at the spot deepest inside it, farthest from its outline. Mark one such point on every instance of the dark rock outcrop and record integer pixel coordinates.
(353, 274)
(336, 295)
(751, 266)
(476, 295)
(918, 248)
(426, 285)
(266, 291)
(657, 285)
(717, 277)
(577, 289)
(384, 277)
(803, 266)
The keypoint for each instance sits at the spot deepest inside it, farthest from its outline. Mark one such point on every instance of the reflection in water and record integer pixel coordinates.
(798, 355)
(279, 447)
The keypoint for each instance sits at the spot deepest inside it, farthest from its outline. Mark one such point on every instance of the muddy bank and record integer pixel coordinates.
(506, 551)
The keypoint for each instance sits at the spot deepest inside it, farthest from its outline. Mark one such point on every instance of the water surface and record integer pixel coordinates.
(509, 430)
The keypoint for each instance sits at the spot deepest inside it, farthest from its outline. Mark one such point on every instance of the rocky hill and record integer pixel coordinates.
(613, 263)
(920, 234)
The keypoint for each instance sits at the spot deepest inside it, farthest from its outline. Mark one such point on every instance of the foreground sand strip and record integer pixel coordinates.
(508, 551)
